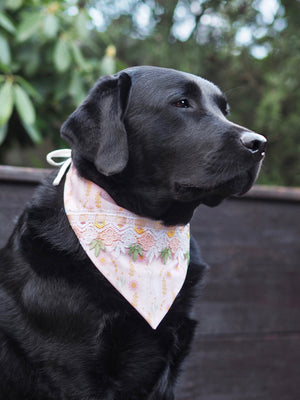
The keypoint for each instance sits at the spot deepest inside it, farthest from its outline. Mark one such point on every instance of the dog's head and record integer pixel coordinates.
(156, 137)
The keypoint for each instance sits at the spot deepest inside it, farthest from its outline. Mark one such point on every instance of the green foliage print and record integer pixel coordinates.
(97, 245)
(165, 254)
(187, 257)
(135, 250)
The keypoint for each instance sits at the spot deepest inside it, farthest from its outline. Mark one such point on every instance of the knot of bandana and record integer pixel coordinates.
(62, 153)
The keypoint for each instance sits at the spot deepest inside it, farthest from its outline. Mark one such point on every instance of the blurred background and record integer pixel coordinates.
(52, 52)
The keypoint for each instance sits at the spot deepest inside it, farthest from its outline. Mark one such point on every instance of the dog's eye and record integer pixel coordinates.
(182, 103)
(223, 105)
(226, 110)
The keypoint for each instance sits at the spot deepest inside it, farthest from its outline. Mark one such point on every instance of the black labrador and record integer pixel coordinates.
(158, 141)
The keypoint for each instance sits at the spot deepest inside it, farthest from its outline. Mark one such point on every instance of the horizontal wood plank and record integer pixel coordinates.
(35, 175)
(22, 174)
(272, 193)
(242, 368)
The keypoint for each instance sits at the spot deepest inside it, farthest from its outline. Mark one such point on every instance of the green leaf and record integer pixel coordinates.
(6, 102)
(78, 57)
(6, 23)
(93, 244)
(13, 4)
(29, 88)
(97, 249)
(24, 105)
(134, 255)
(5, 68)
(5, 57)
(61, 56)
(81, 24)
(135, 250)
(33, 133)
(28, 26)
(131, 249)
(165, 254)
(3, 133)
(187, 256)
(50, 25)
(98, 245)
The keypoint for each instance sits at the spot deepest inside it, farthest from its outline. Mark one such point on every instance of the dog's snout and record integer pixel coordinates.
(254, 142)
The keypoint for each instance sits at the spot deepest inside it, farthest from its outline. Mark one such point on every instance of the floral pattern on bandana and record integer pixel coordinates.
(143, 259)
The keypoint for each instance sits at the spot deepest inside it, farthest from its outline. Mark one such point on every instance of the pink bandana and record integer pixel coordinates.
(143, 259)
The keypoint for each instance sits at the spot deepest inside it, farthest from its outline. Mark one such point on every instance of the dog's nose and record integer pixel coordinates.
(255, 143)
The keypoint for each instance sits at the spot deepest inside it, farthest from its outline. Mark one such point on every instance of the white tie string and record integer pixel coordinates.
(64, 165)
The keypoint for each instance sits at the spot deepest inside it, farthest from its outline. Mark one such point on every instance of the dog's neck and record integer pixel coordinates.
(134, 197)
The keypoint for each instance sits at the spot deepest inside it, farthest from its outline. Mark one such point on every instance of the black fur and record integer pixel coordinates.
(66, 333)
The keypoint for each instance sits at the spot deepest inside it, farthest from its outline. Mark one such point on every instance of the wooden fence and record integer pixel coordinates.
(247, 345)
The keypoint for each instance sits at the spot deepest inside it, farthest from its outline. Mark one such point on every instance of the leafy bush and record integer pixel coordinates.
(50, 56)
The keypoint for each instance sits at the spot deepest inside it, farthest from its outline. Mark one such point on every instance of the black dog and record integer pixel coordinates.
(158, 141)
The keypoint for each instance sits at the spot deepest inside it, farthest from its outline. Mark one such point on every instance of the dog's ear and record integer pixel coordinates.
(96, 129)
